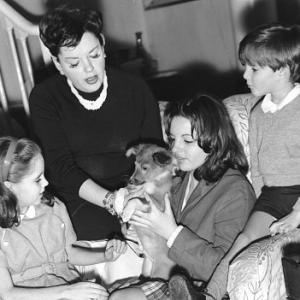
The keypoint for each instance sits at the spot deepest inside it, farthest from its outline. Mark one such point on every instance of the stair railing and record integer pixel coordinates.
(18, 30)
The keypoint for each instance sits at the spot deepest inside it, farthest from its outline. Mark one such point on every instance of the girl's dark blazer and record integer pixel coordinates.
(212, 218)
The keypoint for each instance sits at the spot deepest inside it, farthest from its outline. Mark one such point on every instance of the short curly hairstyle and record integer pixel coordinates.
(64, 27)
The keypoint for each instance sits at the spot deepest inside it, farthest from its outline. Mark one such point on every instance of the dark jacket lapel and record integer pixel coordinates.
(200, 191)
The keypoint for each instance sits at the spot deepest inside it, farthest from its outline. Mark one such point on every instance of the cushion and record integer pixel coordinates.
(239, 107)
(257, 272)
(162, 106)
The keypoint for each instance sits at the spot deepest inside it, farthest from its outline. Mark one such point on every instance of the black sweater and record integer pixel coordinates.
(79, 144)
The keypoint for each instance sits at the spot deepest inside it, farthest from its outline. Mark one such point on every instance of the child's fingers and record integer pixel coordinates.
(287, 223)
(280, 227)
(276, 227)
(110, 248)
(110, 244)
(109, 252)
(139, 221)
(140, 214)
(138, 224)
(120, 246)
(123, 247)
(116, 245)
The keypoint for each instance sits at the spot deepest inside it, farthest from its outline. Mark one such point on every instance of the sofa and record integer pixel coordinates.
(256, 273)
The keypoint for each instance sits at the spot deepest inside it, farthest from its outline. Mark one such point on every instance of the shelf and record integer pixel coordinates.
(150, 4)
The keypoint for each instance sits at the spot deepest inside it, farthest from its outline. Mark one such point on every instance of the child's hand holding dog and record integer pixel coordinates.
(114, 248)
(162, 223)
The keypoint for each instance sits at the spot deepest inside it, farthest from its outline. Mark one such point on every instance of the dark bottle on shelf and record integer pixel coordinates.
(149, 64)
(139, 48)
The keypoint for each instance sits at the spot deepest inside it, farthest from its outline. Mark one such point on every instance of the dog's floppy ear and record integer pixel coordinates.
(131, 151)
(161, 158)
(134, 150)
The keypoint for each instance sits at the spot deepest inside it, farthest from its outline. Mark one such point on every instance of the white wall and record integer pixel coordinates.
(192, 32)
(247, 14)
(34, 7)
(122, 18)
(195, 32)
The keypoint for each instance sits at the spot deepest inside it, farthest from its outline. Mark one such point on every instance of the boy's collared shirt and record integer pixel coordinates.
(268, 106)
(30, 213)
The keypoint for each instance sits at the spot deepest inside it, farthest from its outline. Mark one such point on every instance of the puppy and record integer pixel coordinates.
(154, 169)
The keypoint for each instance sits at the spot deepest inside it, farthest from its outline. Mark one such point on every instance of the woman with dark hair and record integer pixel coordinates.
(210, 205)
(85, 118)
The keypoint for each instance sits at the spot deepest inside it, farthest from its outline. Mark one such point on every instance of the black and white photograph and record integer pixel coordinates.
(149, 149)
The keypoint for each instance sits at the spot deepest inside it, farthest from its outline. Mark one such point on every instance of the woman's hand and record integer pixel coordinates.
(84, 291)
(162, 223)
(114, 248)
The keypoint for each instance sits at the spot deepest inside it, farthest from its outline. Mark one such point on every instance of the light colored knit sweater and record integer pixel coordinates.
(274, 140)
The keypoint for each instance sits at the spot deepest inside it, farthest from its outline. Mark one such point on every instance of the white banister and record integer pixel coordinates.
(18, 20)
(22, 37)
(23, 25)
(19, 29)
(17, 64)
(3, 98)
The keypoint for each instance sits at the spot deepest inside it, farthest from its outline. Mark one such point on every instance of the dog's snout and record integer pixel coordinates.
(135, 181)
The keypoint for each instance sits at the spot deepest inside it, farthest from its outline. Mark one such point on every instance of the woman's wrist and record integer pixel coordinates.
(113, 202)
(108, 202)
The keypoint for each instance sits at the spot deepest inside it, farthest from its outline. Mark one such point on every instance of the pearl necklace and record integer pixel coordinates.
(88, 104)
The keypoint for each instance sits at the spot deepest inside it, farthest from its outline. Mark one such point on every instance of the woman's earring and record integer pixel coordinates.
(104, 55)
